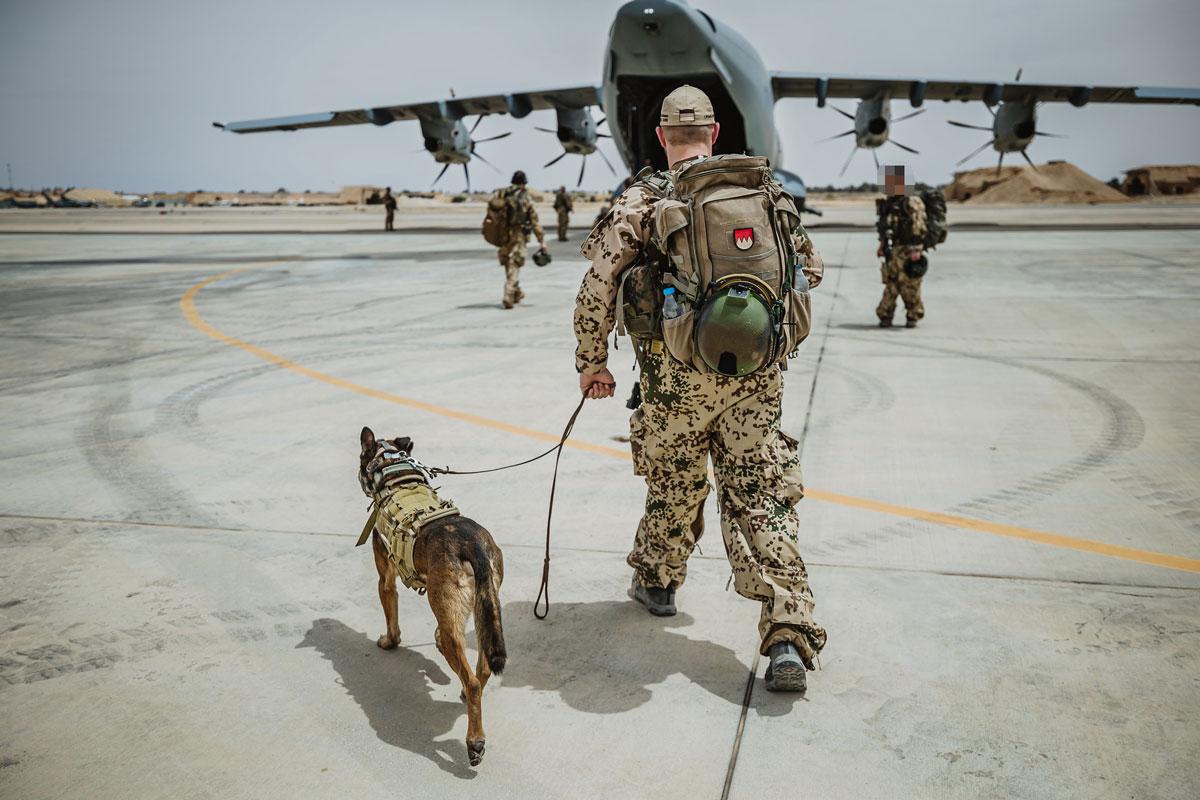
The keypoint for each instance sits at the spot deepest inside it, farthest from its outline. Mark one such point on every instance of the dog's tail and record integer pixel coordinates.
(487, 608)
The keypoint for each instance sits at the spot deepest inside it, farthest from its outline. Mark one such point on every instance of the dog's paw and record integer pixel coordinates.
(386, 642)
(475, 752)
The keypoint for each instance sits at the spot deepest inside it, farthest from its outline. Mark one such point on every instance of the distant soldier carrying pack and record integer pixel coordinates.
(909, 225)
(510, 219)
(563, 205)
(710, 270)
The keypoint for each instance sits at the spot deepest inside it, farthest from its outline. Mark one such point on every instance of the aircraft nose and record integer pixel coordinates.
(651, 17)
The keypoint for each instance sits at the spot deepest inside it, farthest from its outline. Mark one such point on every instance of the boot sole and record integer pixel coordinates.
(788, 678)
(653, 608)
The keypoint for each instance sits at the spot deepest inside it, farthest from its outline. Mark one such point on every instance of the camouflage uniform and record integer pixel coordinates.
(512, 254)
(688, 416)
(564, 206)
(896, 282)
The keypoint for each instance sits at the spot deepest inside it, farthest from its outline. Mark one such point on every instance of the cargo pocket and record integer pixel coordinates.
(787, 459)
(677, 335)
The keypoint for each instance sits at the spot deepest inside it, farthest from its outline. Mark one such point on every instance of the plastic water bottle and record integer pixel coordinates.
(671, 308)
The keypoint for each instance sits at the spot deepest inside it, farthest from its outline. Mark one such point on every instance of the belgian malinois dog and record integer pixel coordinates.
(461, 568)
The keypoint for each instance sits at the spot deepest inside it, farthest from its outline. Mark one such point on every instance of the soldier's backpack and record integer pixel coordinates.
(725, 232)
(496, 225)
(935, 217)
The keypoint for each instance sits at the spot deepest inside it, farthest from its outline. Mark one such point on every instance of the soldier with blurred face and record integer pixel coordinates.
(691, 411)
(902, 226)
(563, 205)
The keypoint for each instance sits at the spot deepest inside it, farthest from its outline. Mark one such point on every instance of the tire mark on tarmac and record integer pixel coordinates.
(1122, 430)
(187, 305)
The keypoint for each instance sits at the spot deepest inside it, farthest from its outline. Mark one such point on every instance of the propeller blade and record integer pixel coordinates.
(845, 114)
(836, 136)
(1025, 156)
(853, 150)
(484, 160)
(445, 167)
(875, 155)
(545, 130)
(467, 175)
(1000, 164)
(582, 167)
(555, 160)
(1051, 135)
(602, 121)
(477, 121)
(491, 138)
(603, 136)
(918, 112)
(965, 125)
(975, 152)
(905, 147)
(1019, 71)
(606, 161)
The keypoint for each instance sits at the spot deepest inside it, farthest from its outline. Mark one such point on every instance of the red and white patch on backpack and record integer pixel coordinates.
(743, 238)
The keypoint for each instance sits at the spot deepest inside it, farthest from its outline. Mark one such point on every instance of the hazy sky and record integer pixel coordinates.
(121, 93)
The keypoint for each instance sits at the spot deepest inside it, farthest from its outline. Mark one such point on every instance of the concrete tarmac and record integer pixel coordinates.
(1001, 530)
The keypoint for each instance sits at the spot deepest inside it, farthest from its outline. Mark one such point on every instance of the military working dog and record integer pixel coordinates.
(431, 547)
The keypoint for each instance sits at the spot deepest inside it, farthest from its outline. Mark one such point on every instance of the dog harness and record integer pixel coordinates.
(403, 503)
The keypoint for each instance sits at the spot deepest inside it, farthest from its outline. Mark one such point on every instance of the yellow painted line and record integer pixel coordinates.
(188, 304)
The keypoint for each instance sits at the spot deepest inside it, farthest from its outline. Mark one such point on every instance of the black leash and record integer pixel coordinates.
(544, 589)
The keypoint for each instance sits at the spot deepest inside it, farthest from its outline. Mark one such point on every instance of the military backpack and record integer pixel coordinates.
(723, 239)
(502, 217)
(935, 217)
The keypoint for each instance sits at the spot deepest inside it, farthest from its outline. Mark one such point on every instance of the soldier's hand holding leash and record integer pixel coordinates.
(597, 386)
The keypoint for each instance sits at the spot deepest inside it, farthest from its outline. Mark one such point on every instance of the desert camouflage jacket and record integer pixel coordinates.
(616, 243)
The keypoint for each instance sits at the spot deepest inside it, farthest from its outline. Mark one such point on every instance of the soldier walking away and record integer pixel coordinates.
(564, 206)
(389, 210)
(902, 227)
(521, 219)
(716, 394)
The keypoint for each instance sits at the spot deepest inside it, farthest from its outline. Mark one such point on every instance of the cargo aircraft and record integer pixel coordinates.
(656, 45)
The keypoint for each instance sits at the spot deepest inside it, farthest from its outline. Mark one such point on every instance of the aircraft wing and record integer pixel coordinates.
(518, 104)
(917, 90)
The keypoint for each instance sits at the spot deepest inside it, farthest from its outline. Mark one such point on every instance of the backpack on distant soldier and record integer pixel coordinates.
(935, 217)
(495, 221)
(725, 233)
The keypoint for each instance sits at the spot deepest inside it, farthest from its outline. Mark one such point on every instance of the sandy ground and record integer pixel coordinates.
(1001, 527)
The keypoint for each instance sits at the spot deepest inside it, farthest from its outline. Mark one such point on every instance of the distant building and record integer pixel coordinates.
(1159, 179)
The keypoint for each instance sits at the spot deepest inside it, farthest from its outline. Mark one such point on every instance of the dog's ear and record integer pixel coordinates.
(367, 438)
(404, 443)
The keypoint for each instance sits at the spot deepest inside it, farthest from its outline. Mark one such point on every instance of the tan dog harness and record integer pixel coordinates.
(401, 509)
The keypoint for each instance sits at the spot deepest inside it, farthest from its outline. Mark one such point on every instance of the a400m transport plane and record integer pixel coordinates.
(656, 45)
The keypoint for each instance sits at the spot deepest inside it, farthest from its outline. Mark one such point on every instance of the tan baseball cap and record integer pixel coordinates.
(687, 105)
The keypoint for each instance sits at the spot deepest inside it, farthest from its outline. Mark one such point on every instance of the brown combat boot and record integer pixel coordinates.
(912, 323)
(885, 323)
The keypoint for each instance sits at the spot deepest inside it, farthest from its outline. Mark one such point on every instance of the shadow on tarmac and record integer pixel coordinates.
(602, 658)
(393, 690)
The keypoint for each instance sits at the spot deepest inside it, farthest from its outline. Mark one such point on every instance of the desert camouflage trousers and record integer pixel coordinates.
(512, 258)
(896, 283)
(564, 219)
(686, 418)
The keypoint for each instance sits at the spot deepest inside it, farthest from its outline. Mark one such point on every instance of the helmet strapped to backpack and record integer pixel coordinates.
(725, 232)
